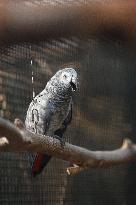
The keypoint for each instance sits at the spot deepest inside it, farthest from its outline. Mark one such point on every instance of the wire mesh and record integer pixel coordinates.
(104, 113)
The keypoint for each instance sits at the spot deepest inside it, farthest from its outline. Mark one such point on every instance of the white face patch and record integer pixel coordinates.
(69, 79)
(66, 78)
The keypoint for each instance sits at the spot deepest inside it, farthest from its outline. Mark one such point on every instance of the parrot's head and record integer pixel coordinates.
(68, 79)
(65, 81)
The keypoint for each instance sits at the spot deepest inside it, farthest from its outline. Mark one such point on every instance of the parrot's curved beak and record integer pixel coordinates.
(74, 86)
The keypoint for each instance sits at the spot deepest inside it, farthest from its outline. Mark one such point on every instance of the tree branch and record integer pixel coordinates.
(18, 139)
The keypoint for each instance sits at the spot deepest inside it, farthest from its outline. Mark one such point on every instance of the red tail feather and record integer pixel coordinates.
(37, 163)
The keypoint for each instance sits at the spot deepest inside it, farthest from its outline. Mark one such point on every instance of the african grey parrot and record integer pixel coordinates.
(50, 112)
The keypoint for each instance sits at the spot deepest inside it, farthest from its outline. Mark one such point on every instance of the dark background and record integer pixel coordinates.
(104, 114)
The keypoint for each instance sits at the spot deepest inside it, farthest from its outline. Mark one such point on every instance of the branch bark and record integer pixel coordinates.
(18, 139)
(20, 22)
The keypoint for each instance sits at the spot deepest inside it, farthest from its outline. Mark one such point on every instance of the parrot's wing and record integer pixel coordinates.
(65, 123)
(68, 119)
(38, 161)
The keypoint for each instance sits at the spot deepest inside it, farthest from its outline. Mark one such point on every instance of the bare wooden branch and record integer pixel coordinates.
(21, 22)
(18, 139)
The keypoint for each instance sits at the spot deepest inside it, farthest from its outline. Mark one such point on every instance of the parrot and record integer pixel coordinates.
(50, 112)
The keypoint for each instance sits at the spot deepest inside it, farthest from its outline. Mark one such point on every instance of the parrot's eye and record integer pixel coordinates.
(65, 76)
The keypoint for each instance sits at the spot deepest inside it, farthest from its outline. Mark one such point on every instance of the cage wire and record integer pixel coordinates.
(103, 114)
(101, 118)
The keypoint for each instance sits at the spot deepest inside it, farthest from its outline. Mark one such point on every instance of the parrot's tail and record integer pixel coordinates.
(40, 161)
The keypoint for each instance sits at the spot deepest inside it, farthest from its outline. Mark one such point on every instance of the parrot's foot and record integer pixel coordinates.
(62, 141)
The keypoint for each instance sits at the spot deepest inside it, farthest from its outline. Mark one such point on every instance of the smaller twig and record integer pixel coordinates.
(75, 169)
(3, 141)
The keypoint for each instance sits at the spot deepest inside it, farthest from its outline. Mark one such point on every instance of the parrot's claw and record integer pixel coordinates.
(62, 141)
